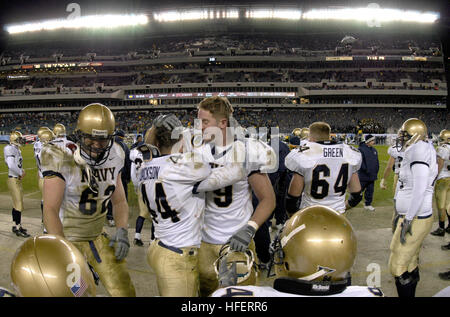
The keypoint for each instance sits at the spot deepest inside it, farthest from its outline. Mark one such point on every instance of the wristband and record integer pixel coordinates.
(253, 224)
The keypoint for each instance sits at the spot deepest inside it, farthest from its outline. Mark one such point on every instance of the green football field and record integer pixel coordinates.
(30, 181)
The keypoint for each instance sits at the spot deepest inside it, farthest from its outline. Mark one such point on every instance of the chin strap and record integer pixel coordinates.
(92, 182)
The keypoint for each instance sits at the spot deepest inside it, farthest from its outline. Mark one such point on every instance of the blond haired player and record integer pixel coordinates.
(13, 159)
(442, 188)
(229, 215)
(323, 170)
(172, 188)
(79, 181)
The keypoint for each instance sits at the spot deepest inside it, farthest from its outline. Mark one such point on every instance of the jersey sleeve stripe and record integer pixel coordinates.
(419, 162)
(52, 174)
(253, 172)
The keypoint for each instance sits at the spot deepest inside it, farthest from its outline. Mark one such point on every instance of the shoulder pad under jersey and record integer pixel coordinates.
(352, 155)
(148, 151)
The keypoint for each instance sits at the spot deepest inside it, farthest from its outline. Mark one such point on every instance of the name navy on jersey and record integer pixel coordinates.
(83, 210)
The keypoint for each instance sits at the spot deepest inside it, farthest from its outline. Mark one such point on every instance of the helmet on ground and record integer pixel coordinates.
(316, 244)
(51, 266)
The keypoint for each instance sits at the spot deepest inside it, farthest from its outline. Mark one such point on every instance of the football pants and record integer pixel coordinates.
(405, 257)
(16, 191)
(112, 273)
(176, 269)
(442, 195)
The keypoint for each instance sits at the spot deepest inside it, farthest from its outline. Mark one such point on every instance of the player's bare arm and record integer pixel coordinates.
(120, 205)
(294, 192)
(386, 172)
(53, 196)
(263, 190)
(440, 163)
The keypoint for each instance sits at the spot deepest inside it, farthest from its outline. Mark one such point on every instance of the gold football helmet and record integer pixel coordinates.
(16, 138)
(444, 137)
(244, 261)
(94, 133)
(297, 132)
(51, 266)
(304, 133)
(59, 130)
(412, 131)
(41, 129)
(316, 244)
(46, 136)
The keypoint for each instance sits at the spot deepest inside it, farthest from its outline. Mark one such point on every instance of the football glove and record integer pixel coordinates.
(405, 228)
(242, 238)
(122, 245)
(383, 184)
(227, 276)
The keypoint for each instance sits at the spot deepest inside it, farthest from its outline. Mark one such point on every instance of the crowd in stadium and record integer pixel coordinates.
(371, 120)
(314, 43)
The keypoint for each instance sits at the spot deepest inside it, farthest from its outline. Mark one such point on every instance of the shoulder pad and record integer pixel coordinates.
(148, 151)
(303, 148)
(176, 158)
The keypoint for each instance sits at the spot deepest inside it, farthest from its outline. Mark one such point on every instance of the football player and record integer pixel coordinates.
(304, 136)
(45, 135)
(171, 188)
(79, 181)
(323, 170)
(413, 204)
(137, 159)
(60, 131)
(13, 159)
(442, 188)
(313, 255)
(394, 164)
(51, 266)
(229, 214)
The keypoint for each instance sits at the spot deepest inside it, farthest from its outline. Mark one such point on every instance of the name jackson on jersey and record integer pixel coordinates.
(83, 208)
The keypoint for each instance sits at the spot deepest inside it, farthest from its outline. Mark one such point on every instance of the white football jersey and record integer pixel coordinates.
(37, 147)
(82, 211)
(136, 159)
(229, 209)
(13, 159)
(443, 152)
(167, 189)
(326, 169)
(398, 156)
(422, 153)
(266, 291)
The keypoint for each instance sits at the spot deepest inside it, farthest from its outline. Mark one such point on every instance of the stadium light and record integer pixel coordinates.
(370, 14)
(188, 15)
(274, 14)
(92, 21)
